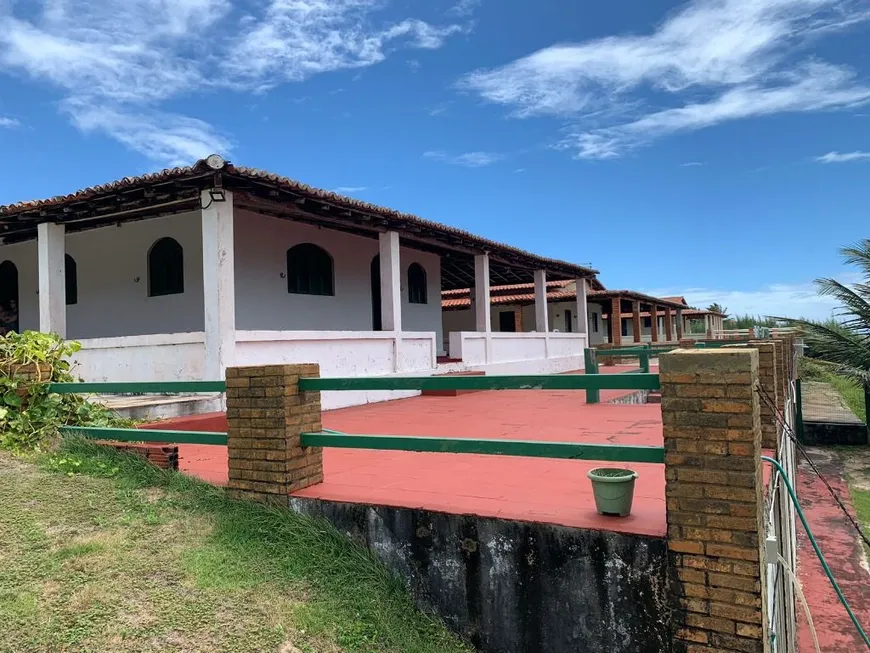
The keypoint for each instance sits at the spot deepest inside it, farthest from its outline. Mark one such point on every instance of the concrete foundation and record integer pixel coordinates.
(509, 586)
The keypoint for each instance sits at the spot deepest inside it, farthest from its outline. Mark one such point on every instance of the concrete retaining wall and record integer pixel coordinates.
(510, 586)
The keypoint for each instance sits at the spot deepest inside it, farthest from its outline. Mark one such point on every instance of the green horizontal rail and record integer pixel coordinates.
(146, 435)
(111, 388)
(528, 382)
(628, 351)
(570, 450)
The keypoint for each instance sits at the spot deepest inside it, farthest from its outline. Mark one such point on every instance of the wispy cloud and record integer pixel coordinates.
(463, 8)
(438, 109)
(8, 122)
(785, 300)
(127, 59)
(170, 138)
(350, 189)
(713, 61)
(467, 159)
(843, 157)
(691, 164)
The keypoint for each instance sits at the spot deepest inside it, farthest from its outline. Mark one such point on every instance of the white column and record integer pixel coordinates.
(481, 293)
(582, 308)
(52, 278)
(219, 285)
(391, 282)
(541, 321)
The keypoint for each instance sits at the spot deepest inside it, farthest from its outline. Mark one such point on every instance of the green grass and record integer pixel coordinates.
(102, 552)
(852, 392)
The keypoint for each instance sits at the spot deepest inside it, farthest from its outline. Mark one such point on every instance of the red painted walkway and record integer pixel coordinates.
(530, 489)
(843, 550)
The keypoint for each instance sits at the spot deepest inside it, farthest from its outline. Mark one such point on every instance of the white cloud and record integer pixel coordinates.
(467, 159)
(843, 157)
(169, 138)
(127, 58)
(691, 164)
(783, 300)
(6, 121)
(715, 60)
(463, 8)
(351, 189)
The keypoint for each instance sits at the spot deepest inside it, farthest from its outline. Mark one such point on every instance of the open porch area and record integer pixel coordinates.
(178, 275)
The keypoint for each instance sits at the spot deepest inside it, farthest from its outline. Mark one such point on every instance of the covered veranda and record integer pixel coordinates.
(634, 317)
(83, 266)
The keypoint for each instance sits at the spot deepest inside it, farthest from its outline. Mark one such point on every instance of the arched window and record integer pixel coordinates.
(165, 268)
(416, 284)
(309, 270)
(72, 280)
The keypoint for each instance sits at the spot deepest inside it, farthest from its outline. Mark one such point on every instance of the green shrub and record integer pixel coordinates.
(29, 414)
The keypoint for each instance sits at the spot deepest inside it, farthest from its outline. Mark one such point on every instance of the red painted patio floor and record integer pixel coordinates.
(527, 489)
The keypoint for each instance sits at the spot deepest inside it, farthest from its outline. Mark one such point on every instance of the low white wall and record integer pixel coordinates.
(156, 357)
(346, 354)
(476, 348)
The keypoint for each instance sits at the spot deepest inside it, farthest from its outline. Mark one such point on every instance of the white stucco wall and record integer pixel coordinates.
(112, 266)
(262, 300)
(113, 280)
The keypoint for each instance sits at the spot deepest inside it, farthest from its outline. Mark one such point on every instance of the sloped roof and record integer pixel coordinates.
(175, 190)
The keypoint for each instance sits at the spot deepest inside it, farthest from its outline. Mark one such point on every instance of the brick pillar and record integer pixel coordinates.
(635, 320)
(769, 379)
(782, 372)
(715, 505)
(616, 321)
(518, 319)
(679, 314)
(654, 322)
(266, 415)
(687, 343)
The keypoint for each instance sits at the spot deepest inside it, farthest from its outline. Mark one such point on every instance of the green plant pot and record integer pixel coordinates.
(613, 489)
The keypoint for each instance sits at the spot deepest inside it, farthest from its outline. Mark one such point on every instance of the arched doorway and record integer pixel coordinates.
(8, 297)
(377, 324)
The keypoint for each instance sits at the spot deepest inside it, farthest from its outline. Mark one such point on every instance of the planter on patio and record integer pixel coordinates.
(613, 488)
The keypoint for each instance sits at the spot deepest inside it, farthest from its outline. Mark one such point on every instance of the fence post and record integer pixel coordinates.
(768, 376)
(266, 415)
(644, 361)
(715, 505)
(591, 367)
(799, 410)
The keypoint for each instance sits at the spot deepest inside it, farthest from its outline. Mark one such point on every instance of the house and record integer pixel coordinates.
(514, 309)
(178, 274)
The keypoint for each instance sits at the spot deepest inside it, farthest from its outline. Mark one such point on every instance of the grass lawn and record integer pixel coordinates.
(101, 552)
(853, 393)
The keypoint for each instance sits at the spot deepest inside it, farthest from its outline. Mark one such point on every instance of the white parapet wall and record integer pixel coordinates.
(517, 353)
(345, 354)
(156, 357)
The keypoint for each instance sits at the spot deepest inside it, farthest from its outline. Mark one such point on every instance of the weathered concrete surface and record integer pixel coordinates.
(511, 587)
(843, 550)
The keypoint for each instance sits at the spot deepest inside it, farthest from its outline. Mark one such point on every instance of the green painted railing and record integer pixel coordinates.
(144, 387)
(145, 435)
(590, 359)
(527, 382)
(569, 450)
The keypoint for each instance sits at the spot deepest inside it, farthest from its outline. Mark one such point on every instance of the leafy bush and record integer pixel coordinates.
(29, 414)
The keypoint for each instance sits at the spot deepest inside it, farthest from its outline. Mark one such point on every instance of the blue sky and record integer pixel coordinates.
(714, 148)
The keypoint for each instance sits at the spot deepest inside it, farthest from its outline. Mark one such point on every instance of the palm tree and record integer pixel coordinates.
(716, 307)
(844, 342)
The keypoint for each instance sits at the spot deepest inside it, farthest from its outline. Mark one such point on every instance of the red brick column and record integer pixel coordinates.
(654, 322)
(715, 506)
(687, 343)
(266, 415)
(769, 380)
(635, 320)
(518, 319)
(669, 326)
(616, 322)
